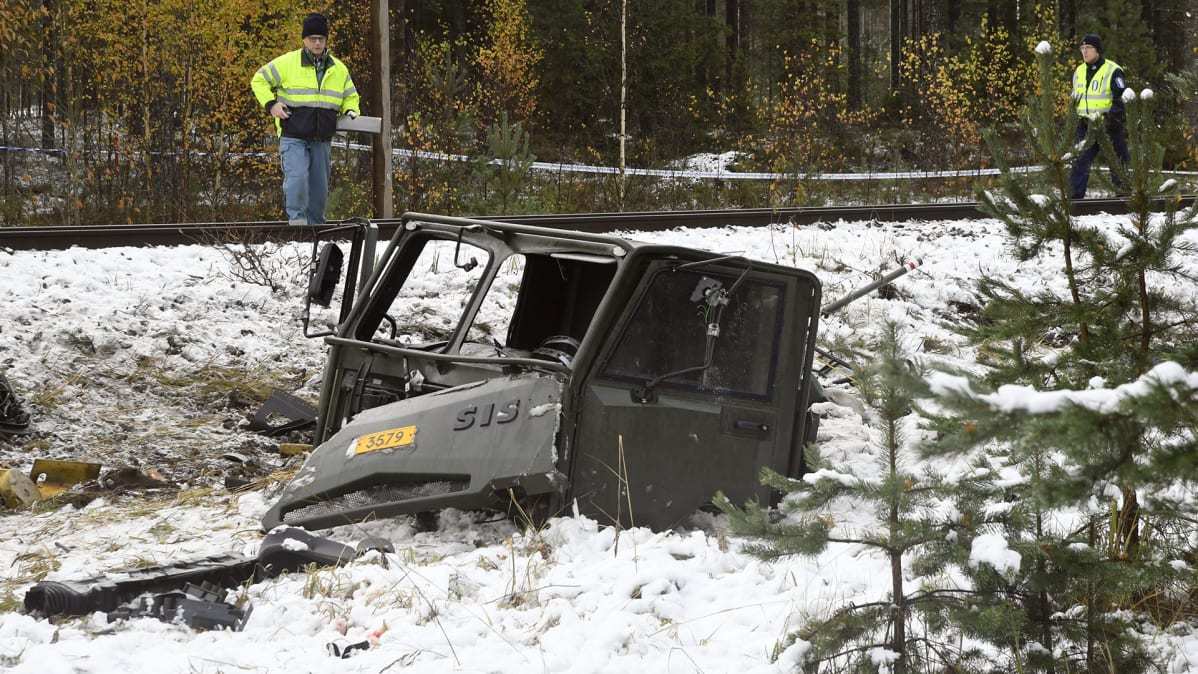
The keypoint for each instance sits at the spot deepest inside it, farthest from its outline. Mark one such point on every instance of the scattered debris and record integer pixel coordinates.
(73, 482)
(343, 650)
(244, 470)
(14, 420)
(284, 549)
(293, 413)
(340, 649)
(294, 448)
(128, 478)
(54, 476)
(16, 489)
(197, 606)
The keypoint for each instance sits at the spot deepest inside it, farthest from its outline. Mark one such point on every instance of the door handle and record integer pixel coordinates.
(750, 425)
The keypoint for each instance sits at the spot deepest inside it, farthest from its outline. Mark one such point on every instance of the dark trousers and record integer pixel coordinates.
(1079, 177)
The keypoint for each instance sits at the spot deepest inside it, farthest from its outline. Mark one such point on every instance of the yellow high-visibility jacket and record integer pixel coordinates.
(291, 79)
(1094, 100)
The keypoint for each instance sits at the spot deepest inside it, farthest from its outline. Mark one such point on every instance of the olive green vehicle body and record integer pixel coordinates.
(626, 381)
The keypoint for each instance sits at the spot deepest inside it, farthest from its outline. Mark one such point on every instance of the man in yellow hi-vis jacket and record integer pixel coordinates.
(306, 90)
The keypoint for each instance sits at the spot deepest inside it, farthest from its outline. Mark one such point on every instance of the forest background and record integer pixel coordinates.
(140, 111)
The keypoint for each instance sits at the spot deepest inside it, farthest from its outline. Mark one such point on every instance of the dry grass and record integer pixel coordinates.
(218, 382)
(34, 566)
(50, 396)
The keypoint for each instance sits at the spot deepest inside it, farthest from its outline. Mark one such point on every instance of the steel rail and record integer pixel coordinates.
(58, 237)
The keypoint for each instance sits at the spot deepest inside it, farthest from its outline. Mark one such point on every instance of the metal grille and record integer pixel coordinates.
(378, 494)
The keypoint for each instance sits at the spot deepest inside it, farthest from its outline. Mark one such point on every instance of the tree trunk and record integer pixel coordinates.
(853, 10)
(623, 94)
(49, 73)
(1169, 30)
(732, 39)
(1067, 17)
(1129, 524)
(1005, 13)
(898, 11)
(898, 596)
(952, 16)
(703, 74)
(184, 161)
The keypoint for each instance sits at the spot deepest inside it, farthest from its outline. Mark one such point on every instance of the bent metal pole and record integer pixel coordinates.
(839, 304)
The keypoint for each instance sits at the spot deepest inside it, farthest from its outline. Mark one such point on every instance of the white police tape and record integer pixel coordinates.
(688, 174)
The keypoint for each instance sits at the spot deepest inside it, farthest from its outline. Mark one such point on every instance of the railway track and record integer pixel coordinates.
(57, 237)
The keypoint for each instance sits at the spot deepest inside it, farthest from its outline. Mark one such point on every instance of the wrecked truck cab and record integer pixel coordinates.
(486, 365)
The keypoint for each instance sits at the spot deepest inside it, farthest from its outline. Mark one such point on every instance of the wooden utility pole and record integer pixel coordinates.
(381, 160)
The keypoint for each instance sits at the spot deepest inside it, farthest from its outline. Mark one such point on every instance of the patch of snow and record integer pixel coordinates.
(295, 545)
(473, 595)
(882, 657)
(992, 550)
(815, 477)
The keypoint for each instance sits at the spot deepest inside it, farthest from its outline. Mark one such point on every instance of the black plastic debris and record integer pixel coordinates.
(197, 606)
(128, 478)
(291, 548)
(13, 418)
(107, 592)
(339, 649)
(283, 549)
(280, 405)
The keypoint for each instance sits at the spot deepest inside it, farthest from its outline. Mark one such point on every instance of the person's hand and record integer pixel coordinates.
(279, 110)
(351, 114)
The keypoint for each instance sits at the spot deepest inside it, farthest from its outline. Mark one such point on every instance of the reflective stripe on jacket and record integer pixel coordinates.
(314, 106)
(1095, 99)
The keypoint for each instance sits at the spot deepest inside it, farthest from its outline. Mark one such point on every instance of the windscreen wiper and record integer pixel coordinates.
(715, 298)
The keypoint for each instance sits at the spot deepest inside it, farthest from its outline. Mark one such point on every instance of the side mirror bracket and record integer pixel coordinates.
(328, 263)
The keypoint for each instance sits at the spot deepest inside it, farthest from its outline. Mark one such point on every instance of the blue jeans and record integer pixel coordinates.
(1079, 177)
(305, 178)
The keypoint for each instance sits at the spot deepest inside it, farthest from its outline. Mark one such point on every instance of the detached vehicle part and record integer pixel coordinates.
(280, 414)
(13, 419)
(634, 379)
(282, 550)
(197, 606)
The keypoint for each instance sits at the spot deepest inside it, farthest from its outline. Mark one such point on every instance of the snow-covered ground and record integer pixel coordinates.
(147, 357)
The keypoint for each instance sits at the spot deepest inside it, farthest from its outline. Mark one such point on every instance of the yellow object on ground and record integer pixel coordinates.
(16, 489)
(294, 448)
(53, 477)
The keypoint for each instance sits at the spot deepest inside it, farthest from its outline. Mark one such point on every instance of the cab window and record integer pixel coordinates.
(427, 287)
(668, 332)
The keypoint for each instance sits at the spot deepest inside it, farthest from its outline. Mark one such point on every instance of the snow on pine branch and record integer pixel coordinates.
(1015, 398)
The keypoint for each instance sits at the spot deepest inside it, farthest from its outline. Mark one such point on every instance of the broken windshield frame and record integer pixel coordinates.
(399, 264)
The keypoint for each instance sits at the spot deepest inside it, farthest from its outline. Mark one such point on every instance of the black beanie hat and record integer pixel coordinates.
(1094, 41)
(316, 24)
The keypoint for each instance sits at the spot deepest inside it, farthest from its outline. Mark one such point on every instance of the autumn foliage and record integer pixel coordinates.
(140, 110)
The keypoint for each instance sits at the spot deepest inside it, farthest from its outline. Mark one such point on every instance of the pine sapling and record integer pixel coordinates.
(903, 520)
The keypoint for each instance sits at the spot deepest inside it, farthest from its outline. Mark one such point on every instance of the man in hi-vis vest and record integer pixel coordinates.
(1098, 86)
(306, 90)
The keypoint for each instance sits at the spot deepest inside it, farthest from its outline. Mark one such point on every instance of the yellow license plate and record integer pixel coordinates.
(388, 439)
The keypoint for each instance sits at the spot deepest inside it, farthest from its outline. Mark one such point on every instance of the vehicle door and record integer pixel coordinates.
(649, 450)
